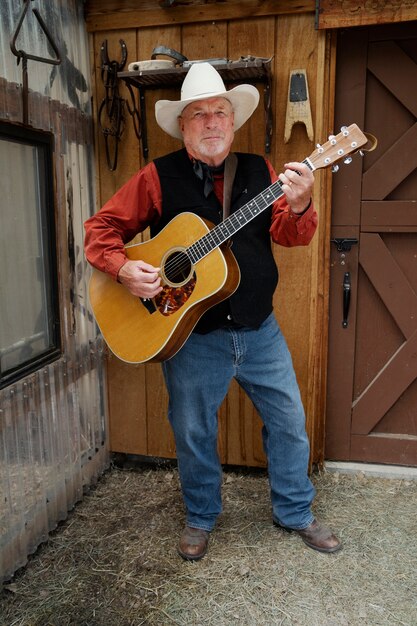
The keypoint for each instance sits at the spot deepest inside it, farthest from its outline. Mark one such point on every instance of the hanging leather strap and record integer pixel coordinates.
(230, 167)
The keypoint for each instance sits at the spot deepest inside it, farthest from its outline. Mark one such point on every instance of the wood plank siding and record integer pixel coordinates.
(53, 429)
(349, 13)
(119, 14)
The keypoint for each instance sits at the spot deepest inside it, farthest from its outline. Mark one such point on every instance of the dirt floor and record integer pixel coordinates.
(114, 561)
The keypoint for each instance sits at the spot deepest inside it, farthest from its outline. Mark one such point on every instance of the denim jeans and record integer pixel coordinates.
(198, 377)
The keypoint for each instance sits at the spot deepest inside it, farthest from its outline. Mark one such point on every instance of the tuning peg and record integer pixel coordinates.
(362, 153)
(320, 148)
(335, 168)
(332, 139)
(348, 160)
(344, 130)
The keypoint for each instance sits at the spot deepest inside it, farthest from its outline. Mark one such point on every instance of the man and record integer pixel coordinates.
(239, 337)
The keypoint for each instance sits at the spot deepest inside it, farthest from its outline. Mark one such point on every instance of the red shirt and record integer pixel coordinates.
(139, 203)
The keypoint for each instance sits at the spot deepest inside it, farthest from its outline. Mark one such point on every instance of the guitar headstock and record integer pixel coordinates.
(350, 140)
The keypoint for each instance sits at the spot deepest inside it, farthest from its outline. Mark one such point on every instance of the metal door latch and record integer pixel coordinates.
(344, 244)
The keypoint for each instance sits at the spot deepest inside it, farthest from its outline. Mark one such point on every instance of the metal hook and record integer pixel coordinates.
(21, 54)
(112, 105)
(112, 66)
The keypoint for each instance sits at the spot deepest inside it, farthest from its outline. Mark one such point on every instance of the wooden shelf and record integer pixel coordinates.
(251, 70)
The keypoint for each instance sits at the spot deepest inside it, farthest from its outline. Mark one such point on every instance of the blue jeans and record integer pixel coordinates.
(198, 377)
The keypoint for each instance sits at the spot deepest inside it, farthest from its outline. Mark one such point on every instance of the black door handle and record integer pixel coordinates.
(346, 298)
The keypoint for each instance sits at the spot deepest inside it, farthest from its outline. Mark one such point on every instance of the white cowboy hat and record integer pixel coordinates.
(203, 81)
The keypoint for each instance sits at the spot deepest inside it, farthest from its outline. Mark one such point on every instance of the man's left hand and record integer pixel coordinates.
(297, 184)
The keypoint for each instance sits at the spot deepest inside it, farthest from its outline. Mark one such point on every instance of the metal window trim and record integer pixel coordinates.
(44, 141)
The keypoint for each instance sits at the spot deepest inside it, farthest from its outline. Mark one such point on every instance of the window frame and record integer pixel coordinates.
(44, 141)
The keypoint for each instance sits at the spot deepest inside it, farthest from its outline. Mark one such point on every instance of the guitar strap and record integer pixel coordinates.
(230, 167)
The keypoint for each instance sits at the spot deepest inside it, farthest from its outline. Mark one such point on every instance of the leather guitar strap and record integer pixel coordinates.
(230, 167)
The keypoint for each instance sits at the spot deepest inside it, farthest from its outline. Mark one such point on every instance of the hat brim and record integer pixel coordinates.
(243, 98)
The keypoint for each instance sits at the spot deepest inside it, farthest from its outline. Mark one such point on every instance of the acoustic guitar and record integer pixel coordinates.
(198, 270)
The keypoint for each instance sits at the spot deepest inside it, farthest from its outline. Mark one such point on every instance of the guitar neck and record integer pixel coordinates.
(237, 220)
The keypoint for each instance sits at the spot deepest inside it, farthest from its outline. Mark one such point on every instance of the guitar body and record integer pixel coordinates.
(137, 331)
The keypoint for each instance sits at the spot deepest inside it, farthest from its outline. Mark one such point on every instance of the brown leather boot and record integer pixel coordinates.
(193, 543)
(316, 536)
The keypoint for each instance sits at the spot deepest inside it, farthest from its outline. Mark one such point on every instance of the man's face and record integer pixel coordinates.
(207, 129)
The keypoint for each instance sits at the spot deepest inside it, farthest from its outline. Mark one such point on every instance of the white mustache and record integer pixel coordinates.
(216, 136)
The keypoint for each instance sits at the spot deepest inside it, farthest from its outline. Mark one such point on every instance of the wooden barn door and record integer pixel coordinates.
(372, 372)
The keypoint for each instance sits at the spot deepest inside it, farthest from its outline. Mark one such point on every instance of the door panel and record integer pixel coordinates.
(398, 162)
(372, 374)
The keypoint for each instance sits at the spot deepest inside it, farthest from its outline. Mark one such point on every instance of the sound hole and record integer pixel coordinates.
(177, 268)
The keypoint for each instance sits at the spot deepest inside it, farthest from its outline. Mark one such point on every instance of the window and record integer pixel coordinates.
(29, 307)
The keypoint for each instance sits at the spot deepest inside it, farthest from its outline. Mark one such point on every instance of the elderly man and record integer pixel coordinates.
(239, 337)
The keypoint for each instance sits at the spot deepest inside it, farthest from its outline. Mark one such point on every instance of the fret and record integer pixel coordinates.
(198, 250)
(232, 224)
(267, 197)
(223, 231)
(192, 255)
(215, 234)
(211, 244)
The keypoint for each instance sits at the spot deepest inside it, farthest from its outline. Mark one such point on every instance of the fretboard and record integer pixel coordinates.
(237, 220)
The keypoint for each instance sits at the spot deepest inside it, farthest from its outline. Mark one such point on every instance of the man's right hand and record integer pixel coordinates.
(140, 278)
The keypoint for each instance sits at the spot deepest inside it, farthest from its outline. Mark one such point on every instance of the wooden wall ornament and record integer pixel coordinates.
(345, 13)
(298, 104)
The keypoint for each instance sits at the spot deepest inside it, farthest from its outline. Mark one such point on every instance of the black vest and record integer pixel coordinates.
(182, 191)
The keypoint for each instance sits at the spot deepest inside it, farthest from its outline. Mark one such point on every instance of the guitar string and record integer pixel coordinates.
(180, 264)
(207, 243)
(213, 239)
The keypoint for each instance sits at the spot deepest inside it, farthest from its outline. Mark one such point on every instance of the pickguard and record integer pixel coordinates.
(171, 299)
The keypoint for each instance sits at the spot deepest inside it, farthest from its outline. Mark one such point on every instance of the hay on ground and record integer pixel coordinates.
(114, 561)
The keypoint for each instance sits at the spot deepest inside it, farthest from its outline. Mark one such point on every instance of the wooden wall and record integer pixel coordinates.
(229, 29)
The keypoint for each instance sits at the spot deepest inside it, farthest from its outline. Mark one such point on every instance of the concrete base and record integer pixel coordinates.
(370, 469)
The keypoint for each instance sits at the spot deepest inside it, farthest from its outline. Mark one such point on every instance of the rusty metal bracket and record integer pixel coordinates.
(25, 56)
(113, 105)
